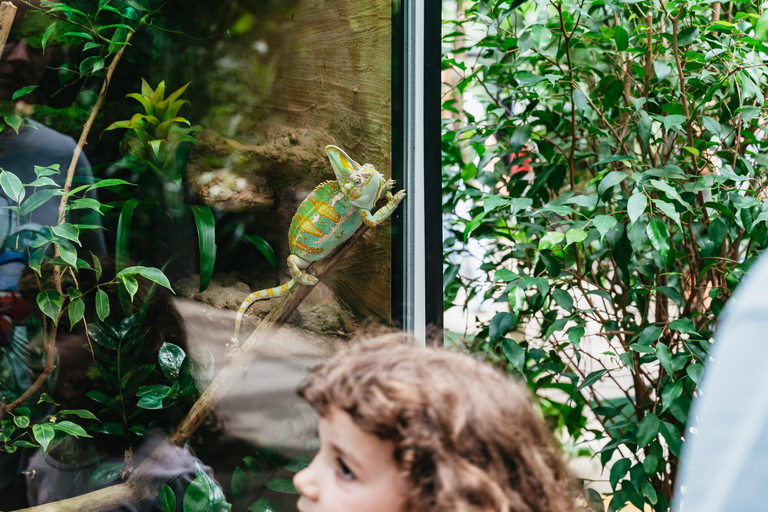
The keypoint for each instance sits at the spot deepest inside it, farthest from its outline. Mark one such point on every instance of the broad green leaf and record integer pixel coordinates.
(575, 334)
(659, 237)
(514, 353)
(619, 470)
(683, 325)
(604, 223)
(97, 267)
(622, 38)
(696, 373)
(43, 433)
(240, 483)
(70, 428)
(12, 186)
(575, 236)
(761, 27)
(687, 36)
(563, 299)
(551, 239)
(68, 231)
(647, 429)
(81, 413)
(636, 206)
(644, 128)
(13, 121)
(170, 357)
(610, 180)
(167, 499)
(47, 34)
(473, 224)
(130, 283)
(206, 236)
(104, 474)
(23, 92)
(665, 357)
(520, 137)
(21, 421)
(671, 393)
(282, 485)
(37, 200)
(153, 274)
(50, 303)
(102, 305)
(591, 379)
(500, 324)
(104, 399)
(263, 505)
(76, 310)
(674, 121)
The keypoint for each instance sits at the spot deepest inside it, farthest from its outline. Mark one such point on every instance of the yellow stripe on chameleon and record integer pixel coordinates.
(284, 288)
(271, 292)
(306, 249)
(325, 210)
(306, 225)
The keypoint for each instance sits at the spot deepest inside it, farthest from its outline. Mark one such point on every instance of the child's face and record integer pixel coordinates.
(353, 471)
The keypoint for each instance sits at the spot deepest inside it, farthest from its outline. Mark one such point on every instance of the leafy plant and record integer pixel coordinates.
(202, 495)
(642, 125)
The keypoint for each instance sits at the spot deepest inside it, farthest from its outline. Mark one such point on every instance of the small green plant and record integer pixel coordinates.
(202, 495)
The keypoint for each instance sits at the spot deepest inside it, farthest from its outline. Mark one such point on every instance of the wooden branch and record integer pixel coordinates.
(140, 485)
(7, 13)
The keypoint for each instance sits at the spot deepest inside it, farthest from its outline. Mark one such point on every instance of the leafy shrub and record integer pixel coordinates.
(643, 128)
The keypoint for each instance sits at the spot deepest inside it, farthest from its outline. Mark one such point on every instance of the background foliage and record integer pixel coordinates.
(643, 127)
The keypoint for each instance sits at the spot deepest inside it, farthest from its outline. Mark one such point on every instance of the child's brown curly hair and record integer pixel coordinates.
(466, 437)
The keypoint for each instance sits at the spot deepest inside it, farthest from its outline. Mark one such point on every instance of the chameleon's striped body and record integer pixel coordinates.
(327, 218)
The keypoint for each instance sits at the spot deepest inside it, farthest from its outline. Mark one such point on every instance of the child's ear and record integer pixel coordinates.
(341, 163)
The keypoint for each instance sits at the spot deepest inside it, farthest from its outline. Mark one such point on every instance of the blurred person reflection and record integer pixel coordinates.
(23, 63)
(724, 464)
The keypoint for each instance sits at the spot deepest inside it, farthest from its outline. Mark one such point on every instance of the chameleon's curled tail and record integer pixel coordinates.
(269, 293)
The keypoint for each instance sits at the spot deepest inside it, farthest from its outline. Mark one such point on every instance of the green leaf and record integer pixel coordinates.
(68, 231)
(37, 200)
(240, 483)
(683, 325)
(70, 428)
(513, 353)
(13, 121)
(81, 413)
(102, 305)
(687, 36)
(153, 274)
(650, 493)
(151, 397)
(45, 397)
(44, 434)
(130, 283)
(610, 180)
(473, 224)
(501, 323)
(23, 92)
(265, 249)
(591, 379)
(563, 299)
(167, 499)
(12, 186)
(647, 429)
(104, 399)
(76, 311)
(674, 121)
(206, 236)
(21, 421)
(170, 357)
(604, 223)
(91, 64)
(263, 505)
(671, 393)
(48, 33)
(622, 38)
(696, 373)
(636, 206)
(665, 357)
(575, 334)
(644, 128)
(68, 253)
(761, 27)
(650, 463)
(97, 267)
(551, 239)
(282, 485)
(105, 473)
(50, 303)
(575, 236)
(520, 137)
(619, 470)
(659, 237)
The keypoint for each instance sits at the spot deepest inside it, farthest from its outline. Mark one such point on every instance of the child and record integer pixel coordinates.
(412, 429)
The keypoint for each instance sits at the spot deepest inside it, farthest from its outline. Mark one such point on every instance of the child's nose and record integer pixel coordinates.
(306, 483)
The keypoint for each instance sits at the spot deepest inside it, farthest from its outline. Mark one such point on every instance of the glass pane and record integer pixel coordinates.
(223, 151)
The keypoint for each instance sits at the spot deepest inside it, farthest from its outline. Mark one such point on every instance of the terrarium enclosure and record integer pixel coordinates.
(154, 156)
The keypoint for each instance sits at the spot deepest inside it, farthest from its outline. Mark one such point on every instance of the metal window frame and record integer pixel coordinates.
(417, 291)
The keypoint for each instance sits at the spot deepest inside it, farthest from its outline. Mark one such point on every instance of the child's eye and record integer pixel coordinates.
(343, 471)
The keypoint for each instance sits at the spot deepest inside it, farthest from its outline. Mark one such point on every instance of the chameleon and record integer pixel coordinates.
(329, 215)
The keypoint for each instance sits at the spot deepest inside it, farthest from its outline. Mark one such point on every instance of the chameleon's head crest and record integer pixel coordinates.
(343, 166)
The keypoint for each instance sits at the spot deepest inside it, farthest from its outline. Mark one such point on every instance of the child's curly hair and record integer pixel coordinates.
(466, 437)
